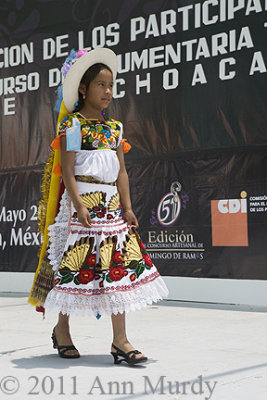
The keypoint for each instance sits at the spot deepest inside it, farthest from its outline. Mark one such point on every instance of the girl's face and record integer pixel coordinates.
(99, 92)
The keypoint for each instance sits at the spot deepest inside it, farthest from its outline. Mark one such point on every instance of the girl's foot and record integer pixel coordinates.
(125, 346)
(63, 339)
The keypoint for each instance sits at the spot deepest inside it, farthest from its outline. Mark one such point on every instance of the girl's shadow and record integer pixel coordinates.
(55, 362)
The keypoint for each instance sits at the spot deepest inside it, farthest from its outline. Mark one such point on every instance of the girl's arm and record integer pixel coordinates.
(67, 164)
(124, 191)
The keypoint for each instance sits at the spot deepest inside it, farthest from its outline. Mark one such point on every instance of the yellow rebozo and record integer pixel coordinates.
(48, 204)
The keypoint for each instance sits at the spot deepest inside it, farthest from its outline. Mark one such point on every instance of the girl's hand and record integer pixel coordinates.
(84, 217)
(130, 218)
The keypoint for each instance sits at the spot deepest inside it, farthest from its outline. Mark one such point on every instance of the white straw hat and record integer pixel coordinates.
(73, 78)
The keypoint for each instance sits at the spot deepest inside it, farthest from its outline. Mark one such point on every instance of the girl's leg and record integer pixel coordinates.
(62, 332)
(119, 334)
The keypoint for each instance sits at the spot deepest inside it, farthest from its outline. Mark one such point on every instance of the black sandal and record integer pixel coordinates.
(130, 359)
(62, 349)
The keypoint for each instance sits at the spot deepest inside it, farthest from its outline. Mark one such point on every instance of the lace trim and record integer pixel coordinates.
(112, 303)
(58, 233)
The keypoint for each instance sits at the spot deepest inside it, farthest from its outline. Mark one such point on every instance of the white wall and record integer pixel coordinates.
(226, 291)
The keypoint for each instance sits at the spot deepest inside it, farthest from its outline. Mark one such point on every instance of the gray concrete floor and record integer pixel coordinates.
(196, 351)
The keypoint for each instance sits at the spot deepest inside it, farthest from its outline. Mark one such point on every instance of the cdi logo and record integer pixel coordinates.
(229, 222)
(232, 206)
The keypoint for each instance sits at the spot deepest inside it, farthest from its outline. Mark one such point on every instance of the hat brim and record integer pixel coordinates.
(73, 78)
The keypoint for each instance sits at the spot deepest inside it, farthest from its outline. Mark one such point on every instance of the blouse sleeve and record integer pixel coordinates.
(64, 124)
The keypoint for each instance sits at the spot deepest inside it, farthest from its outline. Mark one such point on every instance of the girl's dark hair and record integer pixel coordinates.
(87, 78)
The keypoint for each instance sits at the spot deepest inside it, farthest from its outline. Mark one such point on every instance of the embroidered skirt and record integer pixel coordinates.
(100, 270)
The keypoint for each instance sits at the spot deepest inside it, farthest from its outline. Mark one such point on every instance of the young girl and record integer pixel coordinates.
(99, 261)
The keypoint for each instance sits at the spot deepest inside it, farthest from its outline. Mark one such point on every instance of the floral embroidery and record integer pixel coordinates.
(107, 249)
(113, 264)
(116, 270)
(131, 251)
(117, 257)
(114, 202)
(144, 252)
(147, 260)
(93, 199)
(64, 275)
(85, 275)
(96, 134)
(95, 203)
(74, 257)
(138, 267)
(95, 143)
(109, 289)
(90, 260)
(116, 273)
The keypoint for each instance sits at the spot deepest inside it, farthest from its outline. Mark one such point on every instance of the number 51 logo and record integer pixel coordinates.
(169, 206)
